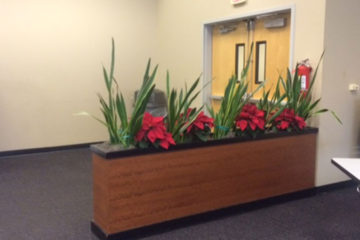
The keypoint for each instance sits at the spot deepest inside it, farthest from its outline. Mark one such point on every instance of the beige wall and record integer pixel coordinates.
(341, 67)
(50, 65)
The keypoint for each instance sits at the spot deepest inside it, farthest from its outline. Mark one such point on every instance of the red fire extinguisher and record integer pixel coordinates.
(304, 71)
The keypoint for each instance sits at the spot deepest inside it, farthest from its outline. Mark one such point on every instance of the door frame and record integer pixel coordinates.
(207, 44)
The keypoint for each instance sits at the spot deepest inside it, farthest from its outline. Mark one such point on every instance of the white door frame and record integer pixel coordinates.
(207, 44)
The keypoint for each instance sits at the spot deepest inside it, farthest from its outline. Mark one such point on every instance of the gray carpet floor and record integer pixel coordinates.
(48, 196)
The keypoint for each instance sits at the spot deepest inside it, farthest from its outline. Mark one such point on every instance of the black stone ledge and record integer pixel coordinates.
(45, 149)
(109, 152)
(171, 225)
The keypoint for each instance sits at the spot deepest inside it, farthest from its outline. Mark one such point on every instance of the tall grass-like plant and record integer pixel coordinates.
(235, 97)
(121, 128)
(178, 119)
(272, 106)
(301, 101)
(231, 105)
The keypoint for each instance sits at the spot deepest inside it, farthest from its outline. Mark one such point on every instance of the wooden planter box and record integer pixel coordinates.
(136, 188)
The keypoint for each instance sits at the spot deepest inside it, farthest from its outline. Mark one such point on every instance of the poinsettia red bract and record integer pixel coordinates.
(153, 129)
(288, 119)
(200, 122)
(250, 118)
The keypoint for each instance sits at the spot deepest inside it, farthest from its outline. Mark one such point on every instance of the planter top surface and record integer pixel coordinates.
(110, 151)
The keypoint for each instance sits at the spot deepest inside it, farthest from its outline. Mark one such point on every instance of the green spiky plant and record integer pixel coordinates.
(272, 106)
(121, 129)
(178, 120)
(235, 97)
(301, 102)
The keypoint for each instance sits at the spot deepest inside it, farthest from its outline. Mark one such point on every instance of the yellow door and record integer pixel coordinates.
(224, 57)
(270, 56)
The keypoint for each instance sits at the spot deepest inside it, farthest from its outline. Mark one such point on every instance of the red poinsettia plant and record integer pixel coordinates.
(200, 128)
(153, 133)
(289, 121)
(250, 121)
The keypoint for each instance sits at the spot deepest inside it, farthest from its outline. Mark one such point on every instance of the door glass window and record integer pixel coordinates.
(260, 64)
(239, 59)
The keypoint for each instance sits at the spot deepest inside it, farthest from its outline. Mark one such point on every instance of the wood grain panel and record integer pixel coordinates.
(101, 192)
(132, 192)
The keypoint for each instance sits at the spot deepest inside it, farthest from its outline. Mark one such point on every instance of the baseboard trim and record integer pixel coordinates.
(335, 186)
(217, 214)
(45, 149)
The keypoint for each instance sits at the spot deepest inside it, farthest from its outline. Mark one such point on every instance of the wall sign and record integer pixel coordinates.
(234, 2)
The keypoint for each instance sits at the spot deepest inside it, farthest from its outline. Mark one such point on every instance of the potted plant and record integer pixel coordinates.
(156, 169)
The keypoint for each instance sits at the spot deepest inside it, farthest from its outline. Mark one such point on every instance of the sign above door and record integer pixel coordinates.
(235, 2)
